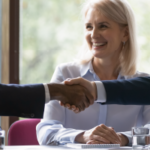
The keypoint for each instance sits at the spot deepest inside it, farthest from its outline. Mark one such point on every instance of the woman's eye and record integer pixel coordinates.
(103, 26)
(88, 27)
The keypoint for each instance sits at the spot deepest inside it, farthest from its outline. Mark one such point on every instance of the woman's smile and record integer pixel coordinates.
(99, 46)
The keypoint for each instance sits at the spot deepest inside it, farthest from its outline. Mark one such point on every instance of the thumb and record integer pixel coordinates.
(85, 83)
(72, 81)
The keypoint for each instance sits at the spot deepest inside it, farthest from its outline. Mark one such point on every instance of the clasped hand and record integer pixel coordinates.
(102, 135)
(85, 96)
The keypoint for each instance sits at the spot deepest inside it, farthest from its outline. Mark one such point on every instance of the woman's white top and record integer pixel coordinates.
(61, 125)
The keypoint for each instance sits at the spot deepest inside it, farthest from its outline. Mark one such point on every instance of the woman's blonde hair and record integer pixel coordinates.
(120, 12)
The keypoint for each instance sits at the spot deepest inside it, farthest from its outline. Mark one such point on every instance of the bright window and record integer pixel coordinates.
(52, 33)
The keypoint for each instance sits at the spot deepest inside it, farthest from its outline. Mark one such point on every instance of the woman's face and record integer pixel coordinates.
(103, 36)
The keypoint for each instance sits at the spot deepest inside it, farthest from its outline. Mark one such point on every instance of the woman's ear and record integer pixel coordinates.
(125, 33)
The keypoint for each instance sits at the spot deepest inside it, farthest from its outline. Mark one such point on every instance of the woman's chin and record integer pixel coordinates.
(98, 54)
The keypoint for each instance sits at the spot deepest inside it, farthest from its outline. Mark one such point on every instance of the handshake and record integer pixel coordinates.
(75, 94)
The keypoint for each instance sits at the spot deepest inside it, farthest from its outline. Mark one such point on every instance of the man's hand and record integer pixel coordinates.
(76, 95)
(90, 86)
(99, 135)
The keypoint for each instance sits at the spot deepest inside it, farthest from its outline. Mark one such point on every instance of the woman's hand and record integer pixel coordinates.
(102, 134)
(124, 140)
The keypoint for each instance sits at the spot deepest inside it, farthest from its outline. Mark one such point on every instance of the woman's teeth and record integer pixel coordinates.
(99, 44)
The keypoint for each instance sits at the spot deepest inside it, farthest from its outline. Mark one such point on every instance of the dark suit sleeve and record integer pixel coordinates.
(22, 100)
(134, 91)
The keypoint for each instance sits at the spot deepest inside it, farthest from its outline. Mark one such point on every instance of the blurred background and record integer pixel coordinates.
(52, 33)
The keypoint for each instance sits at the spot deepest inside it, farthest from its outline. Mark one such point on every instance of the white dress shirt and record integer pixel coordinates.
(62, 125)
(47, 93)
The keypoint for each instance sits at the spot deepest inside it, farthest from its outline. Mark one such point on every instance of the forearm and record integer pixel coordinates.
(48, 134)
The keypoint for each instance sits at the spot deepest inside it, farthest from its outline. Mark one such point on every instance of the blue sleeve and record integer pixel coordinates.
(133, 91)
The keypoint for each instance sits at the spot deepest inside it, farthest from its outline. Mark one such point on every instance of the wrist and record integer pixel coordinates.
(54, 90)
(124, 139)
(79, 138)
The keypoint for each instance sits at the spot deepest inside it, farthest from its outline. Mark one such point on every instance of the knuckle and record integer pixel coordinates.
(107, 132)
(102, 125)
(111, 128)
(97, 127)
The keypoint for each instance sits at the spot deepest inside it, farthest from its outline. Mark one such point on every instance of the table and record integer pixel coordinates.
(53, 148)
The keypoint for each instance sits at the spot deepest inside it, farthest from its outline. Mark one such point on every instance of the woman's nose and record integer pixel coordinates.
(94, 33)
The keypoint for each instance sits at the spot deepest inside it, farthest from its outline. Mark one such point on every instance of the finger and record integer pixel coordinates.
(89, 96)
(78, 80)
(77, 110)
(109, 130)
(84, 103)
(95, 142)
(100, 139)
(105, 132)
(67, 80)
(71, 81)
(60, 103)
(73, 107)
(67, 106)
(112, 131)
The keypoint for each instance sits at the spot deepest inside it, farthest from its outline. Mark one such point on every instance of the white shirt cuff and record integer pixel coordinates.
(101, 93)
(47, 93)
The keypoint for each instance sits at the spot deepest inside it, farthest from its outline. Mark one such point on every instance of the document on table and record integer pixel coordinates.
(87, 146)
(97, 146)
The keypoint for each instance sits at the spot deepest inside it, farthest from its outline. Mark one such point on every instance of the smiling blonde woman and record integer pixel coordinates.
(120, 12)
(109, 53)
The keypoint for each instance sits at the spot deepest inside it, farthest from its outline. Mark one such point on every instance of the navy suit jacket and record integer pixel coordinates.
(134, 91)
(22, 100)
